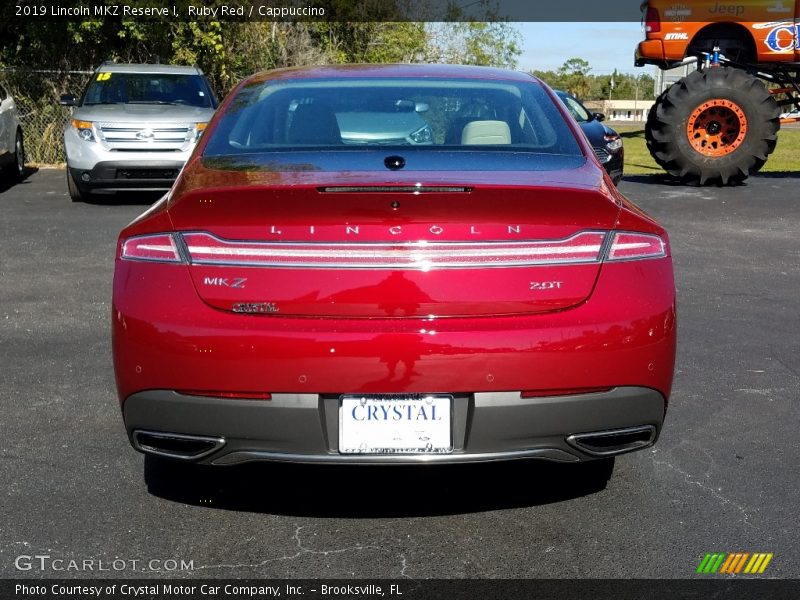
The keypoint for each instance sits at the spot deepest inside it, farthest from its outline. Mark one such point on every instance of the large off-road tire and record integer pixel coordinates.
(715, 126)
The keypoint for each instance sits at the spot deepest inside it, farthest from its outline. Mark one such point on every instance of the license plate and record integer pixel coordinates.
(414, 424)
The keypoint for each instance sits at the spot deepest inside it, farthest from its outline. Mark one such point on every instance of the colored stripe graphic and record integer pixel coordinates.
(728, 563)
(703, 563)
(711, 563)
(741, 562)
(754, 564)
(715, 567)
(734, 562)
(767, 558)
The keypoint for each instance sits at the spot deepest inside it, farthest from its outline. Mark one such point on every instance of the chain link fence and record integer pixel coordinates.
(36, 94)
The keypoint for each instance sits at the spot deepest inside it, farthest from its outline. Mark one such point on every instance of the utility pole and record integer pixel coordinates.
(611, 85)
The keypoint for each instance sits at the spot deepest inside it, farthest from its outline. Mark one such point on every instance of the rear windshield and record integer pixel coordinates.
(146, 88)
(451, 114)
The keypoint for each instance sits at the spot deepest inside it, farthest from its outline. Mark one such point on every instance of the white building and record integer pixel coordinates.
(622, 110)
(636, 111)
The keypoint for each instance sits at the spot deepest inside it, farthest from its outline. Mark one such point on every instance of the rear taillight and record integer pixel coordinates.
(652, 20)
(207, 249)
(632, 246)
(159, 248)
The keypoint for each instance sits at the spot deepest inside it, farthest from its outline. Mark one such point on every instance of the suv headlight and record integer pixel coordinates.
(613, 142)
(84, 129)
(199, 128)
(423, 135)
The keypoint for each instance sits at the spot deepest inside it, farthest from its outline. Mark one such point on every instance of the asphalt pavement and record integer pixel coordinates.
(723, 477)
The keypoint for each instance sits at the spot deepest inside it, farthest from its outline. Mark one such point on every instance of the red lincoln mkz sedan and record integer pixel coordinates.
(393, 264)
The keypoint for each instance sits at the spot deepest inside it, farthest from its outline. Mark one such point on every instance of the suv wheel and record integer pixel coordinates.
(75, 192)
(19, 157)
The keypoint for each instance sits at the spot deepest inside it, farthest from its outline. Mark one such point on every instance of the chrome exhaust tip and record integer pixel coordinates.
(175, 445)
(614, 441)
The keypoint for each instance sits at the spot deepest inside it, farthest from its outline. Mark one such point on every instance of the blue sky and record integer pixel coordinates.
(607, 46)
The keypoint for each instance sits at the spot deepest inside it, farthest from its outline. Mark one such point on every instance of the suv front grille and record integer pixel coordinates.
(147, 173)
(134, 137)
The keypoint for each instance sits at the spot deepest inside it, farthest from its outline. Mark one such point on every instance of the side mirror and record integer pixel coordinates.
(599, 116)
(67, 100)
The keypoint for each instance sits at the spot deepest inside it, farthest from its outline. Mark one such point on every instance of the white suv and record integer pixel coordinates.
(12, 150)
(134, 127)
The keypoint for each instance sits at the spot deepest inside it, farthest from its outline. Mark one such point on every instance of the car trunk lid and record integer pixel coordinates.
(409, 248)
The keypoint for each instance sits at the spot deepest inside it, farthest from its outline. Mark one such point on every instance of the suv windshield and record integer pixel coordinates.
(148, 88)
(427, 112)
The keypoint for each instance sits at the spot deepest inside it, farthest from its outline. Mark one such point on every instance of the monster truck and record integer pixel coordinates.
(720, 123)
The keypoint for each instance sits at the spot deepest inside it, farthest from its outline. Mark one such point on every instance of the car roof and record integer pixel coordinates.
(148, 68)
(410, 71)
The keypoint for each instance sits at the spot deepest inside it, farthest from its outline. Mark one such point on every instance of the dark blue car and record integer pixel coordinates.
(606, 142)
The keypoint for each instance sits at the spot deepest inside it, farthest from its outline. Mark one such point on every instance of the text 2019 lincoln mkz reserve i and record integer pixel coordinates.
(454, 280)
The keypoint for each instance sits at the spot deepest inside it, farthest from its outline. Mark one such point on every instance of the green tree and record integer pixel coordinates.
(363, 31)
(495, 44)
(626, 86)
(551, 78)
(368, 42)
(575, 75)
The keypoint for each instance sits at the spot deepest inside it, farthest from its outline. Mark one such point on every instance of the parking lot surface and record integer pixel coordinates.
(723, 477)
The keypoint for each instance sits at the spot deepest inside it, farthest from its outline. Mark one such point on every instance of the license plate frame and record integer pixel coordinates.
(398, 426)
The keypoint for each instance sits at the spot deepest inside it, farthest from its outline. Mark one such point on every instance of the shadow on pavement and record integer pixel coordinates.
(7, 181)
(124, 198)
(669, 181)
(778, 175)
(655, 179)
(351, 491)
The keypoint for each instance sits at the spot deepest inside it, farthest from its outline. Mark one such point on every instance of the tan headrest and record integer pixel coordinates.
(485, 132)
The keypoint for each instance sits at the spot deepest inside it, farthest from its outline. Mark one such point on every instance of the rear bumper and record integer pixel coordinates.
(166, 338)
(649, 52)
(305, 427)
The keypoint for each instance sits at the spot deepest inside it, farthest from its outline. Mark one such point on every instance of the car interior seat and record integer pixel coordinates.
(314, 124)
(486, 132)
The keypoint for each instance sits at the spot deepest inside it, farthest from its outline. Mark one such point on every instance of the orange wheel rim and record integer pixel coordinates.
(716, 127)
